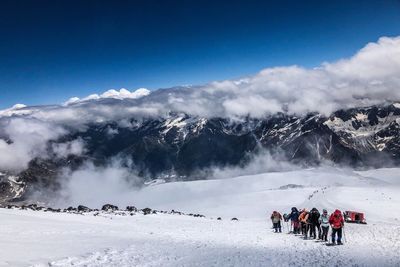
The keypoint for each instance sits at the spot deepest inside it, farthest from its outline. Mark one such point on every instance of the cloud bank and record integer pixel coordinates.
(115, 183)
(95, 186)
(27, 139)
(371, 76)
(121, 94)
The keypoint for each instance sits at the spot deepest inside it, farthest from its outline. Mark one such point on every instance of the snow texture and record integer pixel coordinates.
(58, 239)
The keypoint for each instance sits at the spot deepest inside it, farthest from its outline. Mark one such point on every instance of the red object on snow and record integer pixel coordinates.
(354, 217)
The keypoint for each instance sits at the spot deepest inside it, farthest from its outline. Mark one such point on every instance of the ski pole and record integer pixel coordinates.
(344, 234)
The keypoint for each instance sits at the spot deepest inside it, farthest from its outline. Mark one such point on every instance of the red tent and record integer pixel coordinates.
(354, 217)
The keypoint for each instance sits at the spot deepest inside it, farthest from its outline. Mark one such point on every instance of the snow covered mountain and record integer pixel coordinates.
(184, 147)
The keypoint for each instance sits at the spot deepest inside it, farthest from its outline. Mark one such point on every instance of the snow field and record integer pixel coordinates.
(173, 240)
(57, 239)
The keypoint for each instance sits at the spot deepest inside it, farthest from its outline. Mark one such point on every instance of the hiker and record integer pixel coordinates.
(337, 222)
(276, 218)
(301, 220)
(314, 223)
(324, 222)
(304, 222)
(294, 218)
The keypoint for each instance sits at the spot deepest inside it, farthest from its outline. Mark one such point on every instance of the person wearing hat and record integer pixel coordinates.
(276, 218)
(324, 222)
(337, 222)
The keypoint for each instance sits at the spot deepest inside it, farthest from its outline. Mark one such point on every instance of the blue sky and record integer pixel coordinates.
(53, 50)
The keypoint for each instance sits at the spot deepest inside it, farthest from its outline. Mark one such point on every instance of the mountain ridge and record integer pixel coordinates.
(181, 146)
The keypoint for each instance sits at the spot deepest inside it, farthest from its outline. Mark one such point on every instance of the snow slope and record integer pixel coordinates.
(257, 195)
(56, 239)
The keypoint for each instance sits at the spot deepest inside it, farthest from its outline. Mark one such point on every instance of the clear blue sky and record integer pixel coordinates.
(53, 50)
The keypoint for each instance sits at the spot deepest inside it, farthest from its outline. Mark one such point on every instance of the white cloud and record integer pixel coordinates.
(263, 162)
(72, 100)
(121, 94)
(111, 131)
(371, 76)
(252, 105)
(95, 186)
(376, 61)
(74, 147)
(29, 140)
(16, 109)
(115, 183)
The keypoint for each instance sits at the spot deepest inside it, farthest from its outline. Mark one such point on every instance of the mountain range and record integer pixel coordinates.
(180, 146)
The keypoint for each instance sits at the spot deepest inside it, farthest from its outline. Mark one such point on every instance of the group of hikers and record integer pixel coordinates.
(312, 224)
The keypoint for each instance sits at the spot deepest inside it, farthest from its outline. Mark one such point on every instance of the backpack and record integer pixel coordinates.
(324, 220)
(336, 219)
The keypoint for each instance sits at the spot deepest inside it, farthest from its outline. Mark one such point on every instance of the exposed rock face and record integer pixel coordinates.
(11, 187)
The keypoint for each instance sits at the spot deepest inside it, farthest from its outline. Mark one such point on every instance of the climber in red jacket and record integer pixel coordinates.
(337, 222)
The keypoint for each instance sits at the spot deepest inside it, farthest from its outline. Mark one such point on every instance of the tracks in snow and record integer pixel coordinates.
(204, 242)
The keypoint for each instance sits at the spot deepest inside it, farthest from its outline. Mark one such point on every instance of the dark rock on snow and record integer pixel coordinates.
(82, 208)
(146, 211)
(131, 208)
(109, 207)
